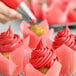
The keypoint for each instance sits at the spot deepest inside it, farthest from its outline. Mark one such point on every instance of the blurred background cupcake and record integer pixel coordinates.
(43, 62)
(65, 47)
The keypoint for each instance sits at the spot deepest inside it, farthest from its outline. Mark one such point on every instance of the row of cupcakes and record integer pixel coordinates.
(36, 54)
(55, 11)
(64, 45)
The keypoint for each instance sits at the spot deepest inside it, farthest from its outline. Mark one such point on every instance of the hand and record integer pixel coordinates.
(7, 14)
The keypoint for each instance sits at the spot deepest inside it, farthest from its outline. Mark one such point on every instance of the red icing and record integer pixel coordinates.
(64, 37)
(33, 21)
(9, 41)
(72, 15)
(43, 57)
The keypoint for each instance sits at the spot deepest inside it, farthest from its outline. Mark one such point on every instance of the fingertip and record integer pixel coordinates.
(13, 14)
(18, 16)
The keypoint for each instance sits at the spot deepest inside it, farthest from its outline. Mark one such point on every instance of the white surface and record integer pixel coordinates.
(15, 25)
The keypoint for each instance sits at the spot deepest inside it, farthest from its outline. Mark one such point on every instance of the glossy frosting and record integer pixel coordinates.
(65, 37)
(9, 41)
(44, 57)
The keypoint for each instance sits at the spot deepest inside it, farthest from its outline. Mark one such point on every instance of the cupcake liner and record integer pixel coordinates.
(72, 15)
(59, 13)
(19, 55)
(14, 65)
(34, 39)
(67, 57)
(53, 71)
(6, 65)
(36, 9)
(46, 8)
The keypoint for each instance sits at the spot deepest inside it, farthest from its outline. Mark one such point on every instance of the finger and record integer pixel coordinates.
(3, 19)
(9, 12)
(3, 8)
(13, 14)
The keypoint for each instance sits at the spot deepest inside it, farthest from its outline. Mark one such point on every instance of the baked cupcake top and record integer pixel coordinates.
(42, 57)
(9, 41)
(38, 30)
(65, 37)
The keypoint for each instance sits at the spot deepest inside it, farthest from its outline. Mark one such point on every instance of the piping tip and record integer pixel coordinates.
(33, 21)
(26, 12)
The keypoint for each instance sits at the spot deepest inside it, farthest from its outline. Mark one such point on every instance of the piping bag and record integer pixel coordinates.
(22, 8)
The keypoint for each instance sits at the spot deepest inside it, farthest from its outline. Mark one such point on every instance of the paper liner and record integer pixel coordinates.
(45, 8)
(6, 65)
(58, 14)
(67, 58)
(14, 65)
(53, 71)
(34, 39)
(72, 16)
(36, 9)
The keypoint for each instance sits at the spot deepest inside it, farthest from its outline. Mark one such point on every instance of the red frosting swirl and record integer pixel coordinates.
(64, 37)
(44, 57)
(9, 41)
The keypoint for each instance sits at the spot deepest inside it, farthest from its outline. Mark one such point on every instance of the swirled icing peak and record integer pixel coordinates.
(42, 58)
(64, 37)
(9, 41)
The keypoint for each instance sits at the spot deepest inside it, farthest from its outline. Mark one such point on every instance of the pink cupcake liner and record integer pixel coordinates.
(53, 71)
(14, 65)
(34, 39)
(6, 65)
(67, 57)
(36, 9)
(72, 15)
(57, 14)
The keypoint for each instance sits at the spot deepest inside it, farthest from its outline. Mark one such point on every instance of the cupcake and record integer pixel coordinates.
(43, 62)
(72, 14)
(65, 47)
(37, 33)
(12, 53)
(59, 10)
(40, 7)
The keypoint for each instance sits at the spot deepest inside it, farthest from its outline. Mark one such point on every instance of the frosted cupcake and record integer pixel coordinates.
(12, 53)
(43, 62)
(72, 14)
(65, 47)
(37, 33)
(59, 10)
